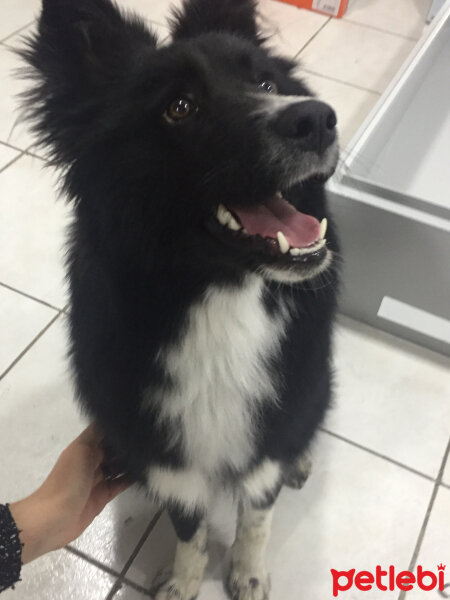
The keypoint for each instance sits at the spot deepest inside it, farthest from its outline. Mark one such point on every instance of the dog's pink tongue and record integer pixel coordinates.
(277, 215)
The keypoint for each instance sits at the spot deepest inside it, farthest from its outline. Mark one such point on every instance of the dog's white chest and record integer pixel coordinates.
(221, 376)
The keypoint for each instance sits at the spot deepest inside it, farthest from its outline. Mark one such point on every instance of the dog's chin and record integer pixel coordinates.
(294, 274)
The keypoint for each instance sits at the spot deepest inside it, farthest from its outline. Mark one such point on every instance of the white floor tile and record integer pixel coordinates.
(391, 397)
(12, 128)
(61, 576)
(435, 546)
(155, 554)
(287, 27)
(7, 155)
(15, 14)
(355, 54)
(38, 418)
(114, 534)
(351, 104)
(21, 320)
(356, 511)
(403, 17)
(38, 415)
(33, 231)
(128, 593)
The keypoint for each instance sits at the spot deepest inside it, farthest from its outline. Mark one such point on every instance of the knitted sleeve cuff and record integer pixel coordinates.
(10, 549)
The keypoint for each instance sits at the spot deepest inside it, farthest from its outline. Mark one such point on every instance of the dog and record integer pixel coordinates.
(202, 260)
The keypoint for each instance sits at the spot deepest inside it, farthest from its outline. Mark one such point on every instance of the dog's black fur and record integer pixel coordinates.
(144, 190)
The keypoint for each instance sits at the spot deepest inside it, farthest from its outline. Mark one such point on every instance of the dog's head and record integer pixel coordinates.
(191, 147)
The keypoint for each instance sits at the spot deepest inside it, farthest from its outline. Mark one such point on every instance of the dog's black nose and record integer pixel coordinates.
(312, 122)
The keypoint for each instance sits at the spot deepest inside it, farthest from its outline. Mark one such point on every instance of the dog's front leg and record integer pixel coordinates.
(248, 578)
(183, 580)
(297, 473)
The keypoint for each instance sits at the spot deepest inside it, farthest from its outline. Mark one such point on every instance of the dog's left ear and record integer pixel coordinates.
(202, 16)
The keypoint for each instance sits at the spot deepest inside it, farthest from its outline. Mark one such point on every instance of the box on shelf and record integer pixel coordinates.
(334, 8)
(390, 197)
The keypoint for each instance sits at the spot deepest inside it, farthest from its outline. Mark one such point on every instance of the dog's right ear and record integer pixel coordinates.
(91, 37)
(202, 16)
(82, 53)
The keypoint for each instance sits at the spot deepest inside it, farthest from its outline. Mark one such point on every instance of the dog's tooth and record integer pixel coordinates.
(323, 228)
(233, 224)
(284, 244)
(309, 249)
(223, 216)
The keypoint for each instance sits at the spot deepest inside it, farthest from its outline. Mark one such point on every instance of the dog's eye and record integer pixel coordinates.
(179, 109)
(268, 86)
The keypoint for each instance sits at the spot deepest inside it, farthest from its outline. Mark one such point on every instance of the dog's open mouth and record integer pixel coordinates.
(275, 228)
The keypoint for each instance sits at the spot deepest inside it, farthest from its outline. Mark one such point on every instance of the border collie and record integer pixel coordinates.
(201, 262)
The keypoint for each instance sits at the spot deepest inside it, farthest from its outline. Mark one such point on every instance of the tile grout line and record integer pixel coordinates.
(121, 579)
(381, 30)
(296, 56)
(10, 35)
(347, 83)
(91, 560)
(8, 145)
(33, 155)
(30, 297)
(137, 587)
(125, 581)
(141, 542)
(379, 455)
(14, 160)
(426, 520)
(30, 345)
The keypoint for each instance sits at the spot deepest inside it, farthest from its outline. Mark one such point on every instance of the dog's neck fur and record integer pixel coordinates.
(221, 373)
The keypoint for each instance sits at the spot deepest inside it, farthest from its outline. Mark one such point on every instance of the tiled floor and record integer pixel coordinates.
(380, 491)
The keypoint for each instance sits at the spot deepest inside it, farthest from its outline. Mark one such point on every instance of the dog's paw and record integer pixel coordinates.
(297, 474)
(167, 587)
(242, 585)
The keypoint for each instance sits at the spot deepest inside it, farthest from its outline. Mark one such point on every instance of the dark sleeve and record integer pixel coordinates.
(10, 549)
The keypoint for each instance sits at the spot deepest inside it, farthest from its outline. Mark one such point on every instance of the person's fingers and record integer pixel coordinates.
(98, 477)
(76, 468)
(118, 486)
(82, 457)
(101, 495)
(106, 491)
(91, 436)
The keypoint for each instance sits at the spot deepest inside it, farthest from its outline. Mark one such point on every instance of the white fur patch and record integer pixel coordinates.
(248, 577)
(262, 480)
(221, 377)
(183, 486)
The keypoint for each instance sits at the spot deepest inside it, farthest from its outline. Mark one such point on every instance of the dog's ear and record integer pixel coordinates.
(201, 16)
(92, 37)
(83, 55)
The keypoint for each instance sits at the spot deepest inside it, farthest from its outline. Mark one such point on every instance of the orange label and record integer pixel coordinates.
(333, 8)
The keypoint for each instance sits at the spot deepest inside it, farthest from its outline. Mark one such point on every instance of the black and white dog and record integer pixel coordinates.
(202, 272)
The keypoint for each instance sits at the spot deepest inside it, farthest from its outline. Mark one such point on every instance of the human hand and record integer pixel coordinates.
(73, 494)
